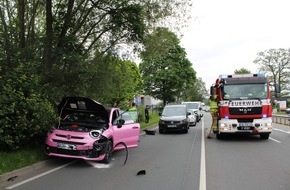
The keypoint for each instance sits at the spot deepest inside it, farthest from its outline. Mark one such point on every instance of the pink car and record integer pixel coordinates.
(89, 131)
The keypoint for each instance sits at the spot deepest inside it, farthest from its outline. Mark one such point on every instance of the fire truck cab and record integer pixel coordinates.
(244, 105)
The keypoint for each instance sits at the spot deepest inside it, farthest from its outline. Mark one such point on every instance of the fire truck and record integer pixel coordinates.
(244, 105)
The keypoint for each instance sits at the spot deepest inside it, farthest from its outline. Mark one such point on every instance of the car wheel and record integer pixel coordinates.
(109, 152)
(185, 130)
(161, 131)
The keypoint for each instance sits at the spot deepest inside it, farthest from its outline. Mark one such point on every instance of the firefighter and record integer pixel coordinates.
(133, 112)
(213, 103)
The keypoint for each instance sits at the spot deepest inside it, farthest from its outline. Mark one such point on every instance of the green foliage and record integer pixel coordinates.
(153, 120)
(275, 63)
(46, 54)
(168, 73)
(195, 92)
(113, 80)
(26, 114)
(16, 159)
(242, 71)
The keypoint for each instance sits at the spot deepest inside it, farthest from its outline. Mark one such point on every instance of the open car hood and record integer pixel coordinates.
(70, 105)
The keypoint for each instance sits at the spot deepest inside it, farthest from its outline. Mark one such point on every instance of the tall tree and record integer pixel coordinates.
(48, 47)
(113, 80)
(197, 92)
(275, 63)
(165, 70)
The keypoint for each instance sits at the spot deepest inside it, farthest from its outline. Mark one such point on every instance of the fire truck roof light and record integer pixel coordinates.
(242, 75)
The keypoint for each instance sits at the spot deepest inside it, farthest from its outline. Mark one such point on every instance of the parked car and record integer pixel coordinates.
(196, 106)
(192, 117)
(174, 118)
(89, 131)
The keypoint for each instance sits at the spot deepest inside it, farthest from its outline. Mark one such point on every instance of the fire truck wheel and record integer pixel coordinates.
(264, 136)
(219, 135)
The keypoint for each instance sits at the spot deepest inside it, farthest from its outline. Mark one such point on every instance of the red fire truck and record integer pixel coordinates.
(244, 105)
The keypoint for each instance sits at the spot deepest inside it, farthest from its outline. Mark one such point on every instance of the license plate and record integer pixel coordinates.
(245, 128)
(245, 124)
(171, 126)
(66, 146)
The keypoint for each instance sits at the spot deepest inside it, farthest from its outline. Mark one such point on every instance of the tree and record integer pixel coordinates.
(197, 92)
(113, 80)
(57, 41)
(165, 70)
(242, 71)
(275, 63)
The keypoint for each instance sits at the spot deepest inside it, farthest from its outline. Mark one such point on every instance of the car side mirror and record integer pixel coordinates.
(159, 113)
(188, 113)
(120, 123)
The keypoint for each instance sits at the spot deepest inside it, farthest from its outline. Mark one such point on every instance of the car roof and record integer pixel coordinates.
(175, 105)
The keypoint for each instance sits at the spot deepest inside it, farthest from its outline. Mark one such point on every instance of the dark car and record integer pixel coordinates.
(174, 118)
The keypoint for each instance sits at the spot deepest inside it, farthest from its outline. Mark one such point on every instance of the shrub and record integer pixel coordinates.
(26, 113)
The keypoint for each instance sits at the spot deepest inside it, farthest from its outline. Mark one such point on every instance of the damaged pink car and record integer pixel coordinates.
(89, 131)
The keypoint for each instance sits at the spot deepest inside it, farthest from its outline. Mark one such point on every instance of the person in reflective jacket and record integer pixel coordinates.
(213, 103)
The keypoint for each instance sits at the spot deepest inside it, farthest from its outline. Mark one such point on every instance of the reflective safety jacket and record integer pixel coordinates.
(213, 104)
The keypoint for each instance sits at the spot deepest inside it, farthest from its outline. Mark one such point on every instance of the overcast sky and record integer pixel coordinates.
(227, 34)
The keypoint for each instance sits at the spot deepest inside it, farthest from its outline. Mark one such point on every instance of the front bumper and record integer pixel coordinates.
(89, 154)
(175, 127)
(68, 144)
(257, 126)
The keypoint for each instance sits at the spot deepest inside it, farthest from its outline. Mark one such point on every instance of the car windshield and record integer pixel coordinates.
(174, 111)
(244, 91)
(191, 105)
(130, 116)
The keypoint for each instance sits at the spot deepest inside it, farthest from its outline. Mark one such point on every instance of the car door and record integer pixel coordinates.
(128, 132)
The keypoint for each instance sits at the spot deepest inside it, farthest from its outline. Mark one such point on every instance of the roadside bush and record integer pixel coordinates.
(25, 113)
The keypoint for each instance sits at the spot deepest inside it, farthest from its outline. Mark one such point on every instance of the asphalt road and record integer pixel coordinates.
(173, 161)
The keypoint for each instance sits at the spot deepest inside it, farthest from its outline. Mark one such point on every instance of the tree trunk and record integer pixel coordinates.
(49, 35)
(21, 20)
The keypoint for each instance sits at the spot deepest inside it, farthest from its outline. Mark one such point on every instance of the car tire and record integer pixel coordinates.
(264, 136)
(220, 135)
(109, 152)
(161, 131)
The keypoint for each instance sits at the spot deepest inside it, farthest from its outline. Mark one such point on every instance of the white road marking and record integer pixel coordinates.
(99, 165)
(40, 175)
(288, 132)
(202, 179)
(274, 140)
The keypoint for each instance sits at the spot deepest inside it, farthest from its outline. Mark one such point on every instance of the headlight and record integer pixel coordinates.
(161, 121)
(95, 133)
(222, 125)
(184, 121)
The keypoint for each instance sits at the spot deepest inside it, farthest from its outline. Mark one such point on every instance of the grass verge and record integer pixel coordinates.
(14, 160)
